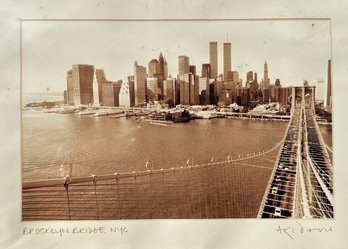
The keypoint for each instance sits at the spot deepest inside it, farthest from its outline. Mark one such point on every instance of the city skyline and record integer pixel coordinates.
(117, 56)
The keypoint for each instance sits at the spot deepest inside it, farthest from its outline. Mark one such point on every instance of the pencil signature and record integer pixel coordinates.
(290, 231)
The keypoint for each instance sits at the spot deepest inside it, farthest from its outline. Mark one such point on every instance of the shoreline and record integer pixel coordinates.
(227, 115)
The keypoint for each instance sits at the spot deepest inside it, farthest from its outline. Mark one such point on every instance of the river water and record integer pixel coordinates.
(105, 145)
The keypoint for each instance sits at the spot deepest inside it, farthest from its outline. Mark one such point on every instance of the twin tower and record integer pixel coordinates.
(213, 59)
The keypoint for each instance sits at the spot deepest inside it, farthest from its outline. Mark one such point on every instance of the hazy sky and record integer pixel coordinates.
(294, 50)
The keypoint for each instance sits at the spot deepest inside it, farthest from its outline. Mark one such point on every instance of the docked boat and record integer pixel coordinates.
(162, 123)
(105, 112)
(88, 111)
(118, 115)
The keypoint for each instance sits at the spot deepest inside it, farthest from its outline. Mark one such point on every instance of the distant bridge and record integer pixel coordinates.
(300, 184)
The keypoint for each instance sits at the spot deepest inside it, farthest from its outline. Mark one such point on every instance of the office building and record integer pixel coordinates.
(184, 65)
(265, 95)
(217, 89)
(227, 59)
(158, 69)
(153, 67)
(70, 88)
(139, 84)
(168, 89)
(245, 97)
(249, 77)
(235, 76)
(213, 60)
(229, 76)
(110, 92)
(184, 89)
(82, 76)
(252, 85)
(162, 66)
(193, 69)
(65, 94)
(265, 76)
(206, 71)
(96, 101)
(196, 90)
(152, 89)
(124, 96)
(212, 97)
(101, 79)
(203, 90)
(130, 79)
(282, 95)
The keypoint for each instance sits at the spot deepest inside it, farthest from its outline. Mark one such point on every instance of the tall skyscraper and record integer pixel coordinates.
(168, 89)
(101, 79)
(213, 59)
(329, 96)
(131, 90)
(194, 82)
(184, 84)
(153, 67)
(184, 65)
(182, 93)
(139, 84)
(227, 59)
(203, 90)
(70, 88)
(82, 76)
(265, 76)
(162, 66)
(159, 69)
(96, 101)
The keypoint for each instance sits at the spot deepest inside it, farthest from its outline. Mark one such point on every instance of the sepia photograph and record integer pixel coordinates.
(130, 119)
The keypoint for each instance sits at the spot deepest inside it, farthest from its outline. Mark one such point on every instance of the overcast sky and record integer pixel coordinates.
(294, 50)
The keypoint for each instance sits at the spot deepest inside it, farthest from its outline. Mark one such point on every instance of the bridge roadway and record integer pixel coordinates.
(279, 199)
(301, 184)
